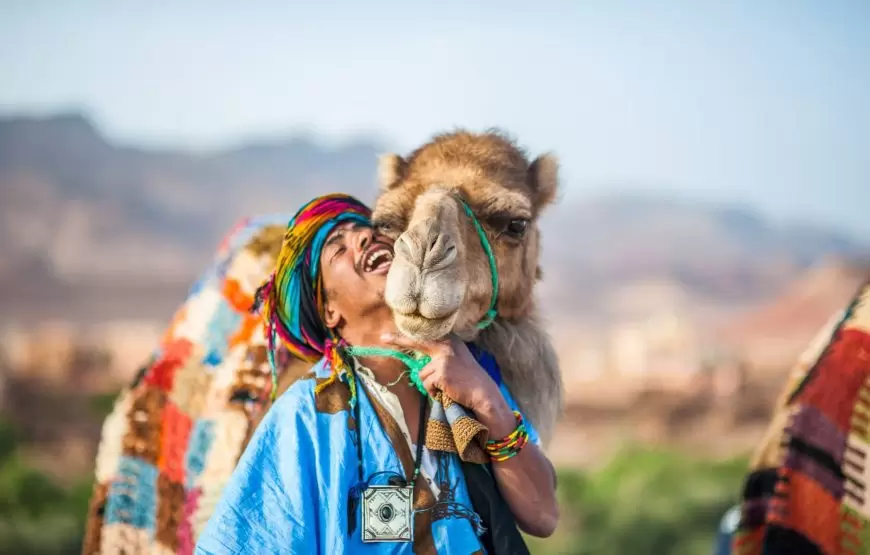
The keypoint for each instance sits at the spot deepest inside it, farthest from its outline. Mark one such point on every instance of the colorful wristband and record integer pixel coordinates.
(509, 446)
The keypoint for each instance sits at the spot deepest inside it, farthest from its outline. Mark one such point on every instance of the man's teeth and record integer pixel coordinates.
(377, 258)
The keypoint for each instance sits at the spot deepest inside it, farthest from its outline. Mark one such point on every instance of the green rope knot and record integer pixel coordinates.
(415, 362)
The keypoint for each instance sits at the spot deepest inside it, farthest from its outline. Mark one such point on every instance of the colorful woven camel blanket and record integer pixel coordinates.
(176, 433)
(807, 492)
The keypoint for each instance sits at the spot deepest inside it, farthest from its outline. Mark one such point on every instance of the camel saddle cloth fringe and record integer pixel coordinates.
(452, 428)
(807, 491)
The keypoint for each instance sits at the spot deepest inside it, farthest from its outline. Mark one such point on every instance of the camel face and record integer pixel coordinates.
(427, 288)
(440, 280)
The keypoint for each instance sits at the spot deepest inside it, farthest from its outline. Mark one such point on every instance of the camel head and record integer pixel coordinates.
(440, 280)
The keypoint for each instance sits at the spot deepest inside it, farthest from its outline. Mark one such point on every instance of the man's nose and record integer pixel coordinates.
(363, 238)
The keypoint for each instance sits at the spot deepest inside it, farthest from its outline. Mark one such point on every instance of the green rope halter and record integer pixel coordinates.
(418, 361)
(493, 269)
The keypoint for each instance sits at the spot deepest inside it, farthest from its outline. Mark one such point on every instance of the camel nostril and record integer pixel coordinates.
(442, 253)
(400, 247)
(404, 249)
(424, 247)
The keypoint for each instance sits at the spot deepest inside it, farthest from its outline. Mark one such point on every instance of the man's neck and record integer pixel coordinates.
(385, 369)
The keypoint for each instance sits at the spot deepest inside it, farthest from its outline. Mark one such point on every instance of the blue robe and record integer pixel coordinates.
(289, 492)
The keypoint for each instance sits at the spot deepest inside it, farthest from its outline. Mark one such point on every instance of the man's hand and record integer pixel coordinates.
(453, 371)
(527, 480)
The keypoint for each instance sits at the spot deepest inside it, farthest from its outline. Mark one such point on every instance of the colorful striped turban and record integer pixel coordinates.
(291, 300)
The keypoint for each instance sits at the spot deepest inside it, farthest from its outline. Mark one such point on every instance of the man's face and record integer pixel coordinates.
(354, 265)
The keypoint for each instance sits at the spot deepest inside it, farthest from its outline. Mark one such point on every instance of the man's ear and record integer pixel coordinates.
(331, 315)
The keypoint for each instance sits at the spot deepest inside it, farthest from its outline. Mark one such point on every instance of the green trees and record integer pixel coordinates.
(37, 515)
(645, 501)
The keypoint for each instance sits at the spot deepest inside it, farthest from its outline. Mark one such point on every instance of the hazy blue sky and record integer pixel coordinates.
(766, 103)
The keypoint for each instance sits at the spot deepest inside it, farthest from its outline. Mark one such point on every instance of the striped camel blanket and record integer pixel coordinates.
(806, 493)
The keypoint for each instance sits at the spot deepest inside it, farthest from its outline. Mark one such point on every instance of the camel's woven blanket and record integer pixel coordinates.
(453, 429)
(176, 432)
(807, 489)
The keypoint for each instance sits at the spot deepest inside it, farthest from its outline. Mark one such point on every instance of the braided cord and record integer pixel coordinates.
(493, 268)
(415, 363)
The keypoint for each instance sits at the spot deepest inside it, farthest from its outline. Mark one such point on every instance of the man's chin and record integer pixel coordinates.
(424, 329)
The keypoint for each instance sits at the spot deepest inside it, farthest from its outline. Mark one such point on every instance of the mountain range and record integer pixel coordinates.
(93, 227)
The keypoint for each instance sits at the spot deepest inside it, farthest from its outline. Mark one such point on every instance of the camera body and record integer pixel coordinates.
(387, 514)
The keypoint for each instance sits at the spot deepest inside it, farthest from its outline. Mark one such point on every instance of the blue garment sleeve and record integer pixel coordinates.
(486, 361)
(270, 503)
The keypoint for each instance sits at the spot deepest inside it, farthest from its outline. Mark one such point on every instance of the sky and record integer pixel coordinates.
(759, 103)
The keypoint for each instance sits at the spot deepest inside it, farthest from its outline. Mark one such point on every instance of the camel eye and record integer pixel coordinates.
(387, 227)
(517, 228)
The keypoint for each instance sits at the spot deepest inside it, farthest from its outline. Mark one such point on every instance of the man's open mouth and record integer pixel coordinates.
(377, 259)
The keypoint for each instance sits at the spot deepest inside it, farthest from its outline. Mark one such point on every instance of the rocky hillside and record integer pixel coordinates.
(782, 327)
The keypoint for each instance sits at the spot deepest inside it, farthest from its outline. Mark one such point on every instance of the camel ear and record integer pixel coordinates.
(391, 170)
(539, 273)
(543, 178)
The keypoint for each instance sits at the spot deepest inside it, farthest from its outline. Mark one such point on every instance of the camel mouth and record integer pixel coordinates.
(377, 259)
(419, 327)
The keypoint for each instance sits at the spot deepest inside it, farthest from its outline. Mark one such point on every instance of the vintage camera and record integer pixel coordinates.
(387, 514)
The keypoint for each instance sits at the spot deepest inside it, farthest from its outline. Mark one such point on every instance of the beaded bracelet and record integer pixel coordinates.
(503, 449)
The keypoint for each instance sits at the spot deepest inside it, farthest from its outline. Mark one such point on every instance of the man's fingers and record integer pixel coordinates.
(427, 371)
(431, 383)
